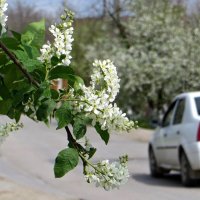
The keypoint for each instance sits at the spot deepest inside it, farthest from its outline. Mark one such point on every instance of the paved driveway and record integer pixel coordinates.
(27, 158)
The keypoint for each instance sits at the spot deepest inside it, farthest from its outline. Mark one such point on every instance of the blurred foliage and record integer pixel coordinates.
(21, 14)
(155, 47)
(86, 31)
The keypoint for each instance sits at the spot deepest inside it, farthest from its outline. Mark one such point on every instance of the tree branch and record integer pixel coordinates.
(19, 65)
(69, 135)
(73, 141)
(121, 28)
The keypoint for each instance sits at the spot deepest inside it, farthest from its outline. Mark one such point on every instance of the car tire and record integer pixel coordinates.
(186, 171)
(155, 171)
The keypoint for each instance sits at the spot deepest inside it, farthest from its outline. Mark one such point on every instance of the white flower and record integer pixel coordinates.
(109, 175)
(3, 17)
(97, 99)
(46, 52)
(106, 71)
(62, 44)
(9, 127)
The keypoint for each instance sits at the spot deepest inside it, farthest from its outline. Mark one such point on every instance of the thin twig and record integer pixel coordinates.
(19, 65)
(121, 28)
(71, 139)
(69, 135)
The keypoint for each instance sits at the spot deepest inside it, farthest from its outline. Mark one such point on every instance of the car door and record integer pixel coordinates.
(161, 135)
(173, 137)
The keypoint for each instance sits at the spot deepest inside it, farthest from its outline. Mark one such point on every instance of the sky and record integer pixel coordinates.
(83, 8)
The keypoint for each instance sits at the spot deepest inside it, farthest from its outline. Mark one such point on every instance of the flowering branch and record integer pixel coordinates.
(81, 106)
(62, 45)
(104, 174)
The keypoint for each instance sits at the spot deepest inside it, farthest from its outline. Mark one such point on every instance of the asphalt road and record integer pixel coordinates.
(27, 157)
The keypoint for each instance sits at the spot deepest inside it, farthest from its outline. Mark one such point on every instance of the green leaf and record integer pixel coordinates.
(66, 160)
(10, 43)
(17, 116)
(4, 91)
(19, 94)
(14, 114)
(16, 35)
(103, 133)
(12, 76)
(32, 65)
(54, 61)
(54, 94)
(34, 34)
(78, 81)
(3, 59)
(91, 152)
(63, 115)
(39, 74)
(43, 93)
(5, 106)
(45, 110)
(28, 63)
(62, 72)
(32, 52)
(27, 38)
(66, 73)
(79, 128)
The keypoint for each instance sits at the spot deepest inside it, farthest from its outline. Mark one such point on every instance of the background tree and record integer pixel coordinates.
(21, 14)
(156, 51)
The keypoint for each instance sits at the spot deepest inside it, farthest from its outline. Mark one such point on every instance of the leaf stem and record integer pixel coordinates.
(71, 139)
(78, 146)
(93, 166)
(19, 65)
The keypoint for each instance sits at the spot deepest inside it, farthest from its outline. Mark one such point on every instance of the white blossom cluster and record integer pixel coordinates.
(96, 100)
(109, 175)
(3, 17)
(62, 44)
(7, 128)
(105, 71)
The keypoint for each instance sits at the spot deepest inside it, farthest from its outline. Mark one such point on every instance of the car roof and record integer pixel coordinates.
(188, 94)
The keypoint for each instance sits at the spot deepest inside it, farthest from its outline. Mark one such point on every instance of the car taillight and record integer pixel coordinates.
(198, 134)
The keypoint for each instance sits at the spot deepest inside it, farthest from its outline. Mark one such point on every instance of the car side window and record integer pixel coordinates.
(178, 116)
(168, 115)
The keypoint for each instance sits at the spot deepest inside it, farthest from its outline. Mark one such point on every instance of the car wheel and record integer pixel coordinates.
(155, 171)
(185, 171)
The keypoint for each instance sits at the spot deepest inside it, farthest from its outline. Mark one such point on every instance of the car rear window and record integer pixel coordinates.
(197, 101)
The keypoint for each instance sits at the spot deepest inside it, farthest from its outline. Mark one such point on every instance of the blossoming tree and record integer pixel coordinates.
(27, 69)
(156, 51)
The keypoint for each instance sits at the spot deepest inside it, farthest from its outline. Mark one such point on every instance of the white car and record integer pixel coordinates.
(176, 143)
